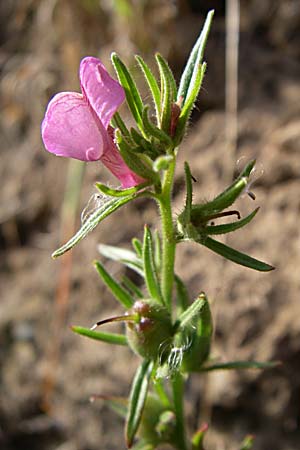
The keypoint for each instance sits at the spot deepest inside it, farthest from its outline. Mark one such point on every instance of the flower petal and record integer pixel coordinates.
(115, 163)
(70, 129)
(104, 94)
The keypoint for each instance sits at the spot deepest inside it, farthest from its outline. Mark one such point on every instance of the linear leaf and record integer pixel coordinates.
(110, 338)
(235, 256)
(131, 91)
(120, 192)
(124, 256)
(195, 59)
(190, 102)
(166, 93)
(152, 83)
(120, 294)
(93, 220)
(149, 267)
(132, 287)
(229, 227)
(137, 399)
(240, 365)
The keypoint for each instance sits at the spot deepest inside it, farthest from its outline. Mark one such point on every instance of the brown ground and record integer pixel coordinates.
(256, 315)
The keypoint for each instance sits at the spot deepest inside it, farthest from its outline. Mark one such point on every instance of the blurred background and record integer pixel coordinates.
(248, 108)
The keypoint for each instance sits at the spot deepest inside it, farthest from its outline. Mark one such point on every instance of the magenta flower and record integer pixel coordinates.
(77, 125)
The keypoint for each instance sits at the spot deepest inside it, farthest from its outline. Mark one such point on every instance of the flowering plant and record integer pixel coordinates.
(170, 333)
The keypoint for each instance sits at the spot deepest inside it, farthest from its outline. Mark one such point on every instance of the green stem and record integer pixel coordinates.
(168, 239)
(178, 391)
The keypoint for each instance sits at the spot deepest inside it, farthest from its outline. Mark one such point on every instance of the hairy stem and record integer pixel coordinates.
(178, 391)
(168, 239)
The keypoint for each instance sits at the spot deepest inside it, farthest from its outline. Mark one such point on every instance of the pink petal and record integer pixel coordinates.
(104, 94)
(114, 162)
(70, 129)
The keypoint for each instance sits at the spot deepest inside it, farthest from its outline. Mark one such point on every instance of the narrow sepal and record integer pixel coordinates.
(235, 256)
(134, 161)
(107, 208)
(195, 59)
(150, 272)
(153, 130)
(229, 227)
(137, 399)
(193, 311)
(110, 338)
(118, 122)
(153, 86)
(226, 198)
(131, 91)
(119, 293)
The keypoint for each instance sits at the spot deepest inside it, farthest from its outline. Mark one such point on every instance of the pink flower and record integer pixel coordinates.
(77, 125)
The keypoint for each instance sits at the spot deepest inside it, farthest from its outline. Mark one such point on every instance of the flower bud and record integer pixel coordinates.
(151, 331)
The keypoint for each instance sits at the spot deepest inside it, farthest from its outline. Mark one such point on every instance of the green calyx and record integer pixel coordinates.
(151, 330)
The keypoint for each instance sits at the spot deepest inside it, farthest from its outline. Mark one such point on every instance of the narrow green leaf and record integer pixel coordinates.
(132, 287)
(124, 256)
(131, 91)
(107, 208)
(157, 250)
(149, 267)
(167, 74)
(237, 365)
(120, 192)
(143, 145)
(189, 103)
(189, 193)
(229, 227)
(235, 256)
(153, 86)
(120, 294)
(153, 130)
(195, 59)
(167, 94)
(137, 399)
(138, 247)
(110, 338)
